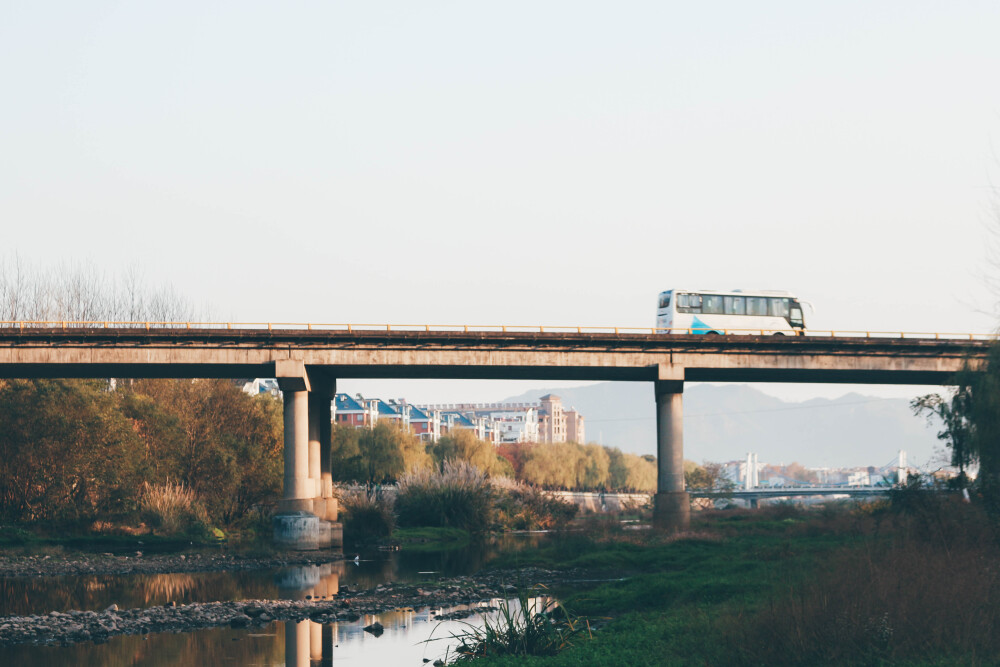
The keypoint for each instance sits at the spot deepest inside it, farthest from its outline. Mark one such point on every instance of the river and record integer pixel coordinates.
(404, 640)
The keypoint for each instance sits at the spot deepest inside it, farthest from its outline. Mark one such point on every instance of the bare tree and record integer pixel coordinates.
(76, 292)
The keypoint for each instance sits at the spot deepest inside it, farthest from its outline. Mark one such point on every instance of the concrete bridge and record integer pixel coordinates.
(307, 360)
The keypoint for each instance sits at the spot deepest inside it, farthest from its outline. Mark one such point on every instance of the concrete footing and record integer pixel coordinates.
(296, 530)
(672, 511)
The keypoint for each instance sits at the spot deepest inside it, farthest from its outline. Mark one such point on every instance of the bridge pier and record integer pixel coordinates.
(672, 504)
(324, 504)
(306, 519)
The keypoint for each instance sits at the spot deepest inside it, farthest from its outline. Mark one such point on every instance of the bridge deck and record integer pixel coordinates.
(245, 352)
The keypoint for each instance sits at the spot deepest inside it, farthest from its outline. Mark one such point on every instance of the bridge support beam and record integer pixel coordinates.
(672, 504)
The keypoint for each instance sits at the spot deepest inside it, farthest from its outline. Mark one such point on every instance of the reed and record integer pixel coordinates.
(171, 508)
(459, 496)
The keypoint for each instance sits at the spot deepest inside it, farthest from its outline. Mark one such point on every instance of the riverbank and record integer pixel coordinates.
(855, 584)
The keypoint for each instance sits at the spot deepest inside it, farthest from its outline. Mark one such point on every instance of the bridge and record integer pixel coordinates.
(759, 492)
(596, 501)
(307, 360)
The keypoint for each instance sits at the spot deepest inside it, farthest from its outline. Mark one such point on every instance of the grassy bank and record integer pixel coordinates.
(852, 586)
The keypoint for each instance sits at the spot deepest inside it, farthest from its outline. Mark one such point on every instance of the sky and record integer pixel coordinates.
(555, 163)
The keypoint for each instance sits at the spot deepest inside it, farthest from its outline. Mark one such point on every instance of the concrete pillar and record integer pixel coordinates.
(314, 447)
(295, 526)
(323, 390)
(672, 505)
(299, 489)
(325, 418)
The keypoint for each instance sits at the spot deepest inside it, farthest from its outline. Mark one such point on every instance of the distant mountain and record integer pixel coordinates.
(724, 422)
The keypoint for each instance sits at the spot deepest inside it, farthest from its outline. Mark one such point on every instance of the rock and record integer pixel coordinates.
(254, 610)
(170, 604)
(113, 607)
(240, 621)
(439, 663)
(375, 628)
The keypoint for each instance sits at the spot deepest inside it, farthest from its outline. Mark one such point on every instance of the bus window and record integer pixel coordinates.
(756, 305)
(689, 303)
(665, 300)
(778, 307)
(735, 305)
(796, 316)
(711, 304)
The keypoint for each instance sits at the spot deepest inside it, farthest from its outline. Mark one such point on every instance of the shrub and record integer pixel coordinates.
(523, 507)
(366, 513)
(172, 508)
(460, 495)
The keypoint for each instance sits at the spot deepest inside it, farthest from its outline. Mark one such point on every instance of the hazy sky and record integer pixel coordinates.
(516, 162)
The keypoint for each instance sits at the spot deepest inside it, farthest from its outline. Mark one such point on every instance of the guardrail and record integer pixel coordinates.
(473, 328)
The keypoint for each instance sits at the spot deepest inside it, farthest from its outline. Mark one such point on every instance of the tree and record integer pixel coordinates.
(970, 423)
(222, 443)
(378, 455)
(66, 452)
(957, 429)
(463, 445)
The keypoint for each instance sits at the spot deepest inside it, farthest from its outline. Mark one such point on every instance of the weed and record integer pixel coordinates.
(524, 626)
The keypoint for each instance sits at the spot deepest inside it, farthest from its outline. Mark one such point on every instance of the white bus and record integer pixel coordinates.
(737, 311)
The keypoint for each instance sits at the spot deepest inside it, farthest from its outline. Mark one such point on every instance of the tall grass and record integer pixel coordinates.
(459, 496)
(366, 513)
(922, 578)
(524, 626)
(172, 508)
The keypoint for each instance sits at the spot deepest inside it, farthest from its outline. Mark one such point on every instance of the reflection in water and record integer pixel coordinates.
(94, 592)
(281, 643)
(278, 643)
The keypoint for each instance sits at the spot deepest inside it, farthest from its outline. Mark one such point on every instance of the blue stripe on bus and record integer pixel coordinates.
(699, 327)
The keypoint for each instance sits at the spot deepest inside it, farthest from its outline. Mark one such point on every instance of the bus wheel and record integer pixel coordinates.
(777, 333)
(711, 333)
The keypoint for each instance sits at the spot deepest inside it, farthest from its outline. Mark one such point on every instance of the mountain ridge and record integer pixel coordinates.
(724, 422)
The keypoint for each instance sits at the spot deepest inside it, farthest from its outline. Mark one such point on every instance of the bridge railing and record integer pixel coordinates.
(486, 328)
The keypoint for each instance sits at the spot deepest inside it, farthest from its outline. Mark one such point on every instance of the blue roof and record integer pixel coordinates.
(345, 403)
(417, 414)
(386, 409)
(458, 419)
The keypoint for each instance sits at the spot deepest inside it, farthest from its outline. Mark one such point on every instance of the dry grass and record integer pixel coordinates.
(912, 584)
(459, 496)
(171, 508)
(366, 513)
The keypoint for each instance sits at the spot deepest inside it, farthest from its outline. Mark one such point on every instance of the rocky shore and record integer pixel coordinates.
(140, 563)
(347, 605)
